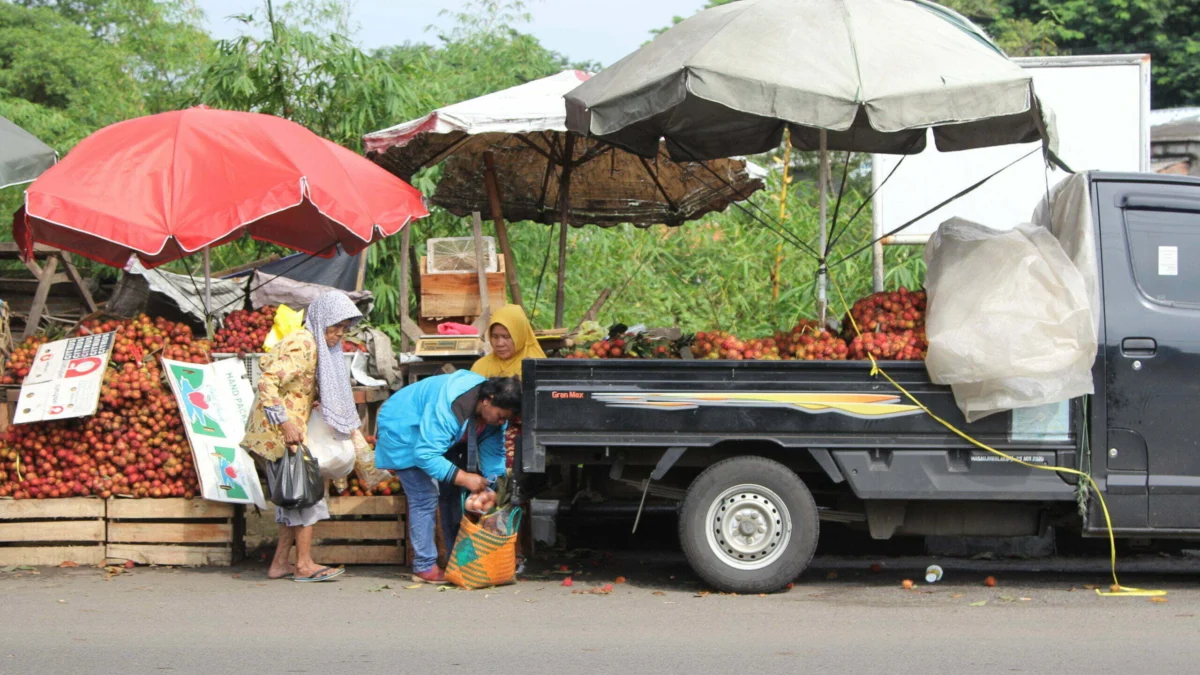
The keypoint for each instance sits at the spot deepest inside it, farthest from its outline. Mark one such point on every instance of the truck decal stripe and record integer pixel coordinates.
(864, 406)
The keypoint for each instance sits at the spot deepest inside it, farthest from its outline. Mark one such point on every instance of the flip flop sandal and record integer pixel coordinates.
(323, 574)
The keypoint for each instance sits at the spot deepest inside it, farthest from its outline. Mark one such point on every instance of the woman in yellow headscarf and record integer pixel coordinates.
(512, 340)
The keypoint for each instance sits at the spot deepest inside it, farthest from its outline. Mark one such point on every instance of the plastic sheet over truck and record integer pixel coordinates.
(1009, 321)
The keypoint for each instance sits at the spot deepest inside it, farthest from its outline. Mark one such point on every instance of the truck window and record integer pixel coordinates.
(1165, 246)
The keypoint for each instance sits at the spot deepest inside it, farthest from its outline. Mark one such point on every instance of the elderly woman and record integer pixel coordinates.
(512, 339)
(305, 370)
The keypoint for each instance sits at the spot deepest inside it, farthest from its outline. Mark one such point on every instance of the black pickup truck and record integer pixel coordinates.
(755, 454)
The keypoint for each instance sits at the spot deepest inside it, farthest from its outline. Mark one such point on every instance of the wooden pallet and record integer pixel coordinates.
(362, 531)
(52, 531)
(186, 532)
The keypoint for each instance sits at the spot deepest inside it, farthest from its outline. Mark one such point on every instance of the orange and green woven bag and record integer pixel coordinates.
(481, 558)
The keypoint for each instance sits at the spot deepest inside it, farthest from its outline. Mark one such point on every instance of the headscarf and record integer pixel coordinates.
(525, 344)
(333, 380)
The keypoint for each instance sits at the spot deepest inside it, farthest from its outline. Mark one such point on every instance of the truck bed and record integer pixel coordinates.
(856, 426)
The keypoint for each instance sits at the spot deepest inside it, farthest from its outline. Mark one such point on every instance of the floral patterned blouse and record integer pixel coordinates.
(288, 381)
(287, 390)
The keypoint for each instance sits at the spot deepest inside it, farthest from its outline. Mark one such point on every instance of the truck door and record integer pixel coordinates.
(1150, 257)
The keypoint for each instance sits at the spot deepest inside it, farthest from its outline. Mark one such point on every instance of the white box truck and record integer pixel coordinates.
(1101, 106)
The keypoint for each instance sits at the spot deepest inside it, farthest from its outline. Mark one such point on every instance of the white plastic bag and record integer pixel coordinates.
(1068, 216)
(336, 457)
(1009, 322)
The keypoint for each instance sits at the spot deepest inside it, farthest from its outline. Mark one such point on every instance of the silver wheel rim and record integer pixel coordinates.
(748, 527)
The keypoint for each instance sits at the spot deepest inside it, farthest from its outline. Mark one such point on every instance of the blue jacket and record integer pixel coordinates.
(417, 425)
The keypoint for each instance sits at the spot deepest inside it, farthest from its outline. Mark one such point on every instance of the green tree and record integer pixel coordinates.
(163, 40)
(299, 63)
(1018, 29)
(1168, 30)
(59, 82)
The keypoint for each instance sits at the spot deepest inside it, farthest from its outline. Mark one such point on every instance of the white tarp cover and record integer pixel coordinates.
(270, 289)
(530, 107)
(1009, 321)
(188, 292)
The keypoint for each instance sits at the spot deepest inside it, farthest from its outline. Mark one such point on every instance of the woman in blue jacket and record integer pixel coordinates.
(461, 415)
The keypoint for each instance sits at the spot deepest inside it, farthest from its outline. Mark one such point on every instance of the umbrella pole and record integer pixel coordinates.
(822, 271)
(208, 326)
(564, 202)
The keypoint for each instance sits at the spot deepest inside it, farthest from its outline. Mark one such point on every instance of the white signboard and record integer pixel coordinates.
(1101, 106)
(65, 379)
(214, 400)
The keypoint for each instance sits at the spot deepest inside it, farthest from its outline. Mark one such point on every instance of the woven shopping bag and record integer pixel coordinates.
(481, 558)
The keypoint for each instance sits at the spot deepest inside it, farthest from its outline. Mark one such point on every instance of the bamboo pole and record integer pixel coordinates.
(485, 310)
(783, 191)
(493, 190)
(564, 200)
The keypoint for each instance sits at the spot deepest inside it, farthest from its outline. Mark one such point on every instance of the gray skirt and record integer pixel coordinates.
(306, 517)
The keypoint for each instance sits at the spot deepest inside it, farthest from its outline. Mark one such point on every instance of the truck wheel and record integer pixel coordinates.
(748, 525)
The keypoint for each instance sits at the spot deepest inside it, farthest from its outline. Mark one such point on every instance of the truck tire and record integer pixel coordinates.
(748, 525)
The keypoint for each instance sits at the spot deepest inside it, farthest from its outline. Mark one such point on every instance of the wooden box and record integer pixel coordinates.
(457, 294)
(362, 531)
(187, 532)
(52, 531)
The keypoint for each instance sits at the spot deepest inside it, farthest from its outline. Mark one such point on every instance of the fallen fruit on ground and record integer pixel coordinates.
(907, 584)
(990, 582)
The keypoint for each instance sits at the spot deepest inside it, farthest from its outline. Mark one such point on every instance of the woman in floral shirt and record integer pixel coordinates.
(304, 368)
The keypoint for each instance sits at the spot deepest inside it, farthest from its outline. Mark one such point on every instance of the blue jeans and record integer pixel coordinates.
(425, 499)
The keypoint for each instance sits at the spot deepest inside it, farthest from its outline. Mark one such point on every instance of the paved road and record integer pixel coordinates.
(840, 618)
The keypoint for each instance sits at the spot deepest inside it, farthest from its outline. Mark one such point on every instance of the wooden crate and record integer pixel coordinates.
(52, 531)
(457, 294)
(362, 531)
(9, 395)
(186, 532)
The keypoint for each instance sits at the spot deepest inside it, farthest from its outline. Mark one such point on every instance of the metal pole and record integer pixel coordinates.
(564, 201)
(876, 229)
(405, 244)
(822, 272)
(208, 323)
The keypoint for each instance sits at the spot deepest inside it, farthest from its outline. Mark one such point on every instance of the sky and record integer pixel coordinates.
(583, 30)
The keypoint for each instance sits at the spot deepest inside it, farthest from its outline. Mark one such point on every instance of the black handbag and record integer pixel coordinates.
(294, 480)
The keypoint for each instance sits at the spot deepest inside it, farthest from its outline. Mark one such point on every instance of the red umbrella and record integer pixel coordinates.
(166, 186)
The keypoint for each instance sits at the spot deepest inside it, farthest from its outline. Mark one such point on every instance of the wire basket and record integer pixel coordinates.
(456, 255)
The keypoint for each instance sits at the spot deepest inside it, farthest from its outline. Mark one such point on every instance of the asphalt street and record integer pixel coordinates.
(841, 617)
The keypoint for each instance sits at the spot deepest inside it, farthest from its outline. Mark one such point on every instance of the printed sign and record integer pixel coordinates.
(65, 379)
(214, 400)
(1168, 261)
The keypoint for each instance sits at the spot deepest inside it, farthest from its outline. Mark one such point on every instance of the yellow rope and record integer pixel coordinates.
(1117, 589)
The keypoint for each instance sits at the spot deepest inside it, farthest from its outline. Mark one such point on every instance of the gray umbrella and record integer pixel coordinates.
(853, 75)
(22, 156)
